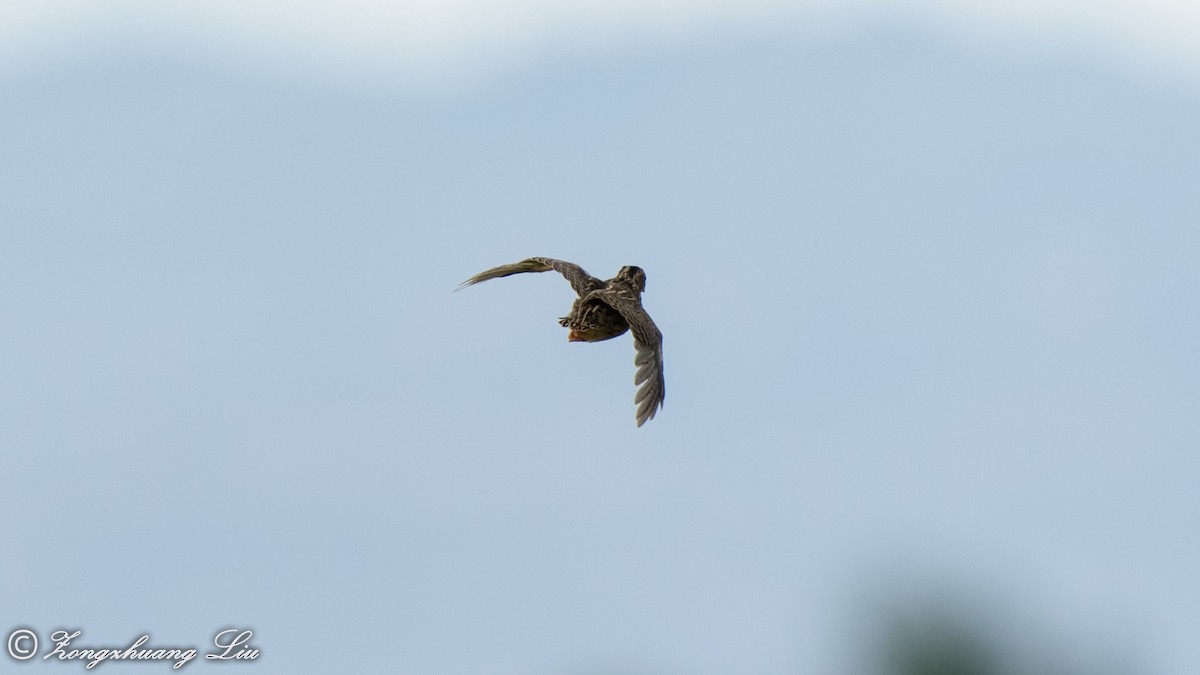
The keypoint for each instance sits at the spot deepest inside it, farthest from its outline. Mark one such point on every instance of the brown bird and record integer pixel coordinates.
(604, 310)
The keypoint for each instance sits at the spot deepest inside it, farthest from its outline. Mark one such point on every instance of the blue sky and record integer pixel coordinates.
(928, 299)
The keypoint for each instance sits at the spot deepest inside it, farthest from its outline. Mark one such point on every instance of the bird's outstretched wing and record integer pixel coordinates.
(647, 340)
(580, 281)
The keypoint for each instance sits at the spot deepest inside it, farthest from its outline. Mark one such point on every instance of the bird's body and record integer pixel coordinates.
(593, 321)
(605, 310)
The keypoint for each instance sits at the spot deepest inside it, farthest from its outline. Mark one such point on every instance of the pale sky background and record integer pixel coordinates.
(926, 274)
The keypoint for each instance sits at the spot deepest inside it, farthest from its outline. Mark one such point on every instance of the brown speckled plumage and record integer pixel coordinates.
(604, 310)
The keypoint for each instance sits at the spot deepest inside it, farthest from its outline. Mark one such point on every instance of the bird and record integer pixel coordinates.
(604, 310)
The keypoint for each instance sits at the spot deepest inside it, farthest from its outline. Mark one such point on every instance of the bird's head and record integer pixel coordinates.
(633, 276)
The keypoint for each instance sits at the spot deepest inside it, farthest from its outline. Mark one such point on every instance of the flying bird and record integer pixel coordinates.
(604, 310)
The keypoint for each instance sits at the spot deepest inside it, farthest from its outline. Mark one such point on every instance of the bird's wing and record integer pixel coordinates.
(647, 340)
(580, 281)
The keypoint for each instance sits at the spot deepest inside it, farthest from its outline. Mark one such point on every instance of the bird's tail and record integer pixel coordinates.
(527, 265)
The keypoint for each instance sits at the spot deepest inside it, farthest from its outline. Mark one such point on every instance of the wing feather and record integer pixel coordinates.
(647, 341)
(581, 282)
